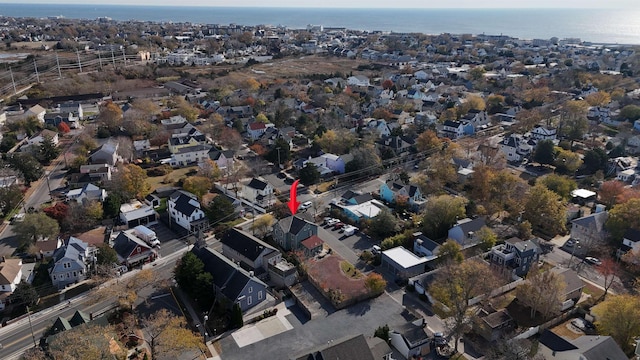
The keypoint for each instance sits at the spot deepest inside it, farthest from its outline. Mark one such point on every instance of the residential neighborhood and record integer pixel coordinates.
(224, 192)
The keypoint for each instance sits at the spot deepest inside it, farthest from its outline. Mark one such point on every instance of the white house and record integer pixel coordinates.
(185, 211)
(89, 192)
(453, 129)
(630, 242)
(411, 339)
(543, 133)
(10, 276)
(380, 126)
(515, 147)
(38, 138)
(256, 129)
(590, 229)
(190, 155)
(358, 80)
(36, 111)
(142, 145)
(259, 192)
(136, 213)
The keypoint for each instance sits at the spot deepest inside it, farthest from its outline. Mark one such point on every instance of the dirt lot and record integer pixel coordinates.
(328, 274)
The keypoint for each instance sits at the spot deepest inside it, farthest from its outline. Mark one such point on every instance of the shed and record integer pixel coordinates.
(403, 263)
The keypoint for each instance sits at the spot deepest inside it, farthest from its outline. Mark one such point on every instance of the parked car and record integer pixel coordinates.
(338, 225)
(570, 243)
(583, 324)
(592, 260)
(375, 249)
(305, 205)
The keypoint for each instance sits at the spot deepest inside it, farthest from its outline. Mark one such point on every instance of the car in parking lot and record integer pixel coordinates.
(338, 225)
(306, 205)
(592, 260)
(570, 243)
(330, 221)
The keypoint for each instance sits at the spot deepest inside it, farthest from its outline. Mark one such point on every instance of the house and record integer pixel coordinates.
(36, 111)
(589, 230)
(74, 108)
(402, 263)
(380, 127)
(573, 284)
(411, 339)
(630, 242)
(453, 129)
(392, 191)
(515, 255)
(186, 212)
(97, 172)
(335, 163)
(152, 200)
(136, 213)
(192, 138)
(258, 191)
(397, 144)
(256, 129)
(586, 347)
(312, 246)
(38, 138)
(352, 347)
(142, 145)
(543, 133)
(255, 255)
(289, 232)
(358, 206)
(424, 246)
(222, 158)
(69, 263)
(131, 250)
(477, 118)
(187, 155)
(358, 80)
(515, 147)
(55, 119)
(493, 324)
(10, 277)
(105, 154)
(231, 283)
(47, 247)
(464, 231)
(87, 193)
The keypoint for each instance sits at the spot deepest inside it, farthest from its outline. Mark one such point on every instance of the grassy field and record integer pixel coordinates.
(173, 177)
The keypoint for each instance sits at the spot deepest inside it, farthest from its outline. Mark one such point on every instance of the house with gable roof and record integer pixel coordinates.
(411, 339)
(70, 262)
(464, 231)
(352, 347)
(543, 133)
(131, 250)
(105, 154)
(185, 211)
(586, 347)
(590, 229)
(258, 191)
(36, 111)
(515, 147)
(10, 277)
(222, 158)
(515, 255)
(424, 246)
(191, 154)
(289, 232)
(38, 138)
(231, 283)
(453, 129)
(391, 191)
(256, 129)
(630, 242)
(87, 193)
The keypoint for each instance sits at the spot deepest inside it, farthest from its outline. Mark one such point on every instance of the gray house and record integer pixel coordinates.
(291, 231)
(253, 253)
(231, 283)
(516, 255)
(105, 154)
(69, 263)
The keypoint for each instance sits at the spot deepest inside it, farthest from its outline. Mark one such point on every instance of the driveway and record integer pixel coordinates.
(334, 239)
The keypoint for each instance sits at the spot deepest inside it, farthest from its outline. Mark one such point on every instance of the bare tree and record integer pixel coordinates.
(542, 291)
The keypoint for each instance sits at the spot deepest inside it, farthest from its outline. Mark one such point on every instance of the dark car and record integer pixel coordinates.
(338, 225)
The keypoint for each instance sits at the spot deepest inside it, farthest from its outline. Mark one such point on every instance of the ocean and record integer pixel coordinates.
(592, 25)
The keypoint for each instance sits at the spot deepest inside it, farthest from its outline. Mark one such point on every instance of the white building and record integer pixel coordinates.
(185, 211)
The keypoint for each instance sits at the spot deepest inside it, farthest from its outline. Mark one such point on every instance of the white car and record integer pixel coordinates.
(592, 260)
(306, 205)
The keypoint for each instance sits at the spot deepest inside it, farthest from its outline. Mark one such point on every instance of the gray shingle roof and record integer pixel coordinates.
(245, 244)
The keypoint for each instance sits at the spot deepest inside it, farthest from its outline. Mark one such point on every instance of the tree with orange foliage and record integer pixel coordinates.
(387, 84)
(609, 269)
(63, 127)
(610, 191)
(375, 284)
(428, 140)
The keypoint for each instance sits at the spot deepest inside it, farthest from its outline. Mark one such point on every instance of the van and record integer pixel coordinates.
(306, 205)
(375, 249)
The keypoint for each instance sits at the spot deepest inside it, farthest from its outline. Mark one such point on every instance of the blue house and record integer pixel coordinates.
(289, 232)
(69, 263)
(391, 191)
(464, 231)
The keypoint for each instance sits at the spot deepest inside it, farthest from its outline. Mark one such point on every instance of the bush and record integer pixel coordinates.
(103, 133)
(366, 256)
(160, 170)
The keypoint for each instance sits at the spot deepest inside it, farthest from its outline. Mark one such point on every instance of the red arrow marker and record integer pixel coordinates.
(293, 194)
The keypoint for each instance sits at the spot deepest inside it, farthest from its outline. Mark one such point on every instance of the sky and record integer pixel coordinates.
(505, 4)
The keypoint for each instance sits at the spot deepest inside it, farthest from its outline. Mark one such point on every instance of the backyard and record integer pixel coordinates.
(337, 279)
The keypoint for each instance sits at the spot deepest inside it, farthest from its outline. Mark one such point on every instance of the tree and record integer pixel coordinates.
(10, 197)
(575, 123)
(35, 353)
(111, 206)
(236, 316)
(132, 180)
(184, 109)
(600, 98)
(59, 211)
(382, 332)
(450, 251)
(220, 209)
(619, 317)
(111, 116)
(24, 295)
(595, 159)
(622, 217)
(440, 213)
(280, 153)
(542, 292)
(365, 159)
(88, 341)
(197, 185)
(456, 284)
(375, 284)
(106, 255)
(382, 113)
(382, 225)
(387, 84)
(477, 73)
(505, 193)
(309, 174)
(63, 127)
(545, 210)
(36, 226)
(336, 142)
(27, 165)
(192, 278)
(609, 269)
(169, 336)
(559, 184)
(487, 238)
(630, 112)
(262, 224)
(545, 152)
(428, 140)
(610, 192)
(566, 161)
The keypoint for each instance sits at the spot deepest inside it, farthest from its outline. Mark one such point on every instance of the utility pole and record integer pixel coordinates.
(279, 166)
(35, 65)
(13, 81)
(100, 59)
(113, 59)
(31, 327)
(58, 66)
(124, 58)
(79, 62)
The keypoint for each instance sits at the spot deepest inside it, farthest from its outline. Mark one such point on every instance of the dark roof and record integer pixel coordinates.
(349, 195)
(79, 318)
(453, 124)
(497, 318)
(596, 347)
(570, 278)
(227, 276)
(353, 348)
(632, 235)
(247, 245)
(413, 334)
(472, 225)
(426, 242)
(594, 221)
(257, 184)
(293, 224)
(185, 202)
(555, 342)
(361, 199)
(124, 244)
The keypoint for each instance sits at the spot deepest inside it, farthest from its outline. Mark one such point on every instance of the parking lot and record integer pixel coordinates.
(347, 246)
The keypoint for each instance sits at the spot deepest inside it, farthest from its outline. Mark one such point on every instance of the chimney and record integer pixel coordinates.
(250, 273)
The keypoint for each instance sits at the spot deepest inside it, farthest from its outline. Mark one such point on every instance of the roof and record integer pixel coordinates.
(570, 278)
(184, 202)
(351, 348)
(78, 318)
(497, 318)
(594, 221)
(554, 342)
(471, 225)
(9, 269)
(135, 210)
(379, 348)
(125, 243)
(74, 250)
(312, 242)
(412, 333)
(257, 125)
(632, 235)
(48, 245)
(36, 109)
(597, 347)
(582, 193)
(258, 184)
(293, 224)
(227, 276)
(246, 244)
(404, 257)
(193, 148)
(425, 242)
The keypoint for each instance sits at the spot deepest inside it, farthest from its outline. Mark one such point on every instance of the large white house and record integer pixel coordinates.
(259, 191)
(185, 210)
(10, 276)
